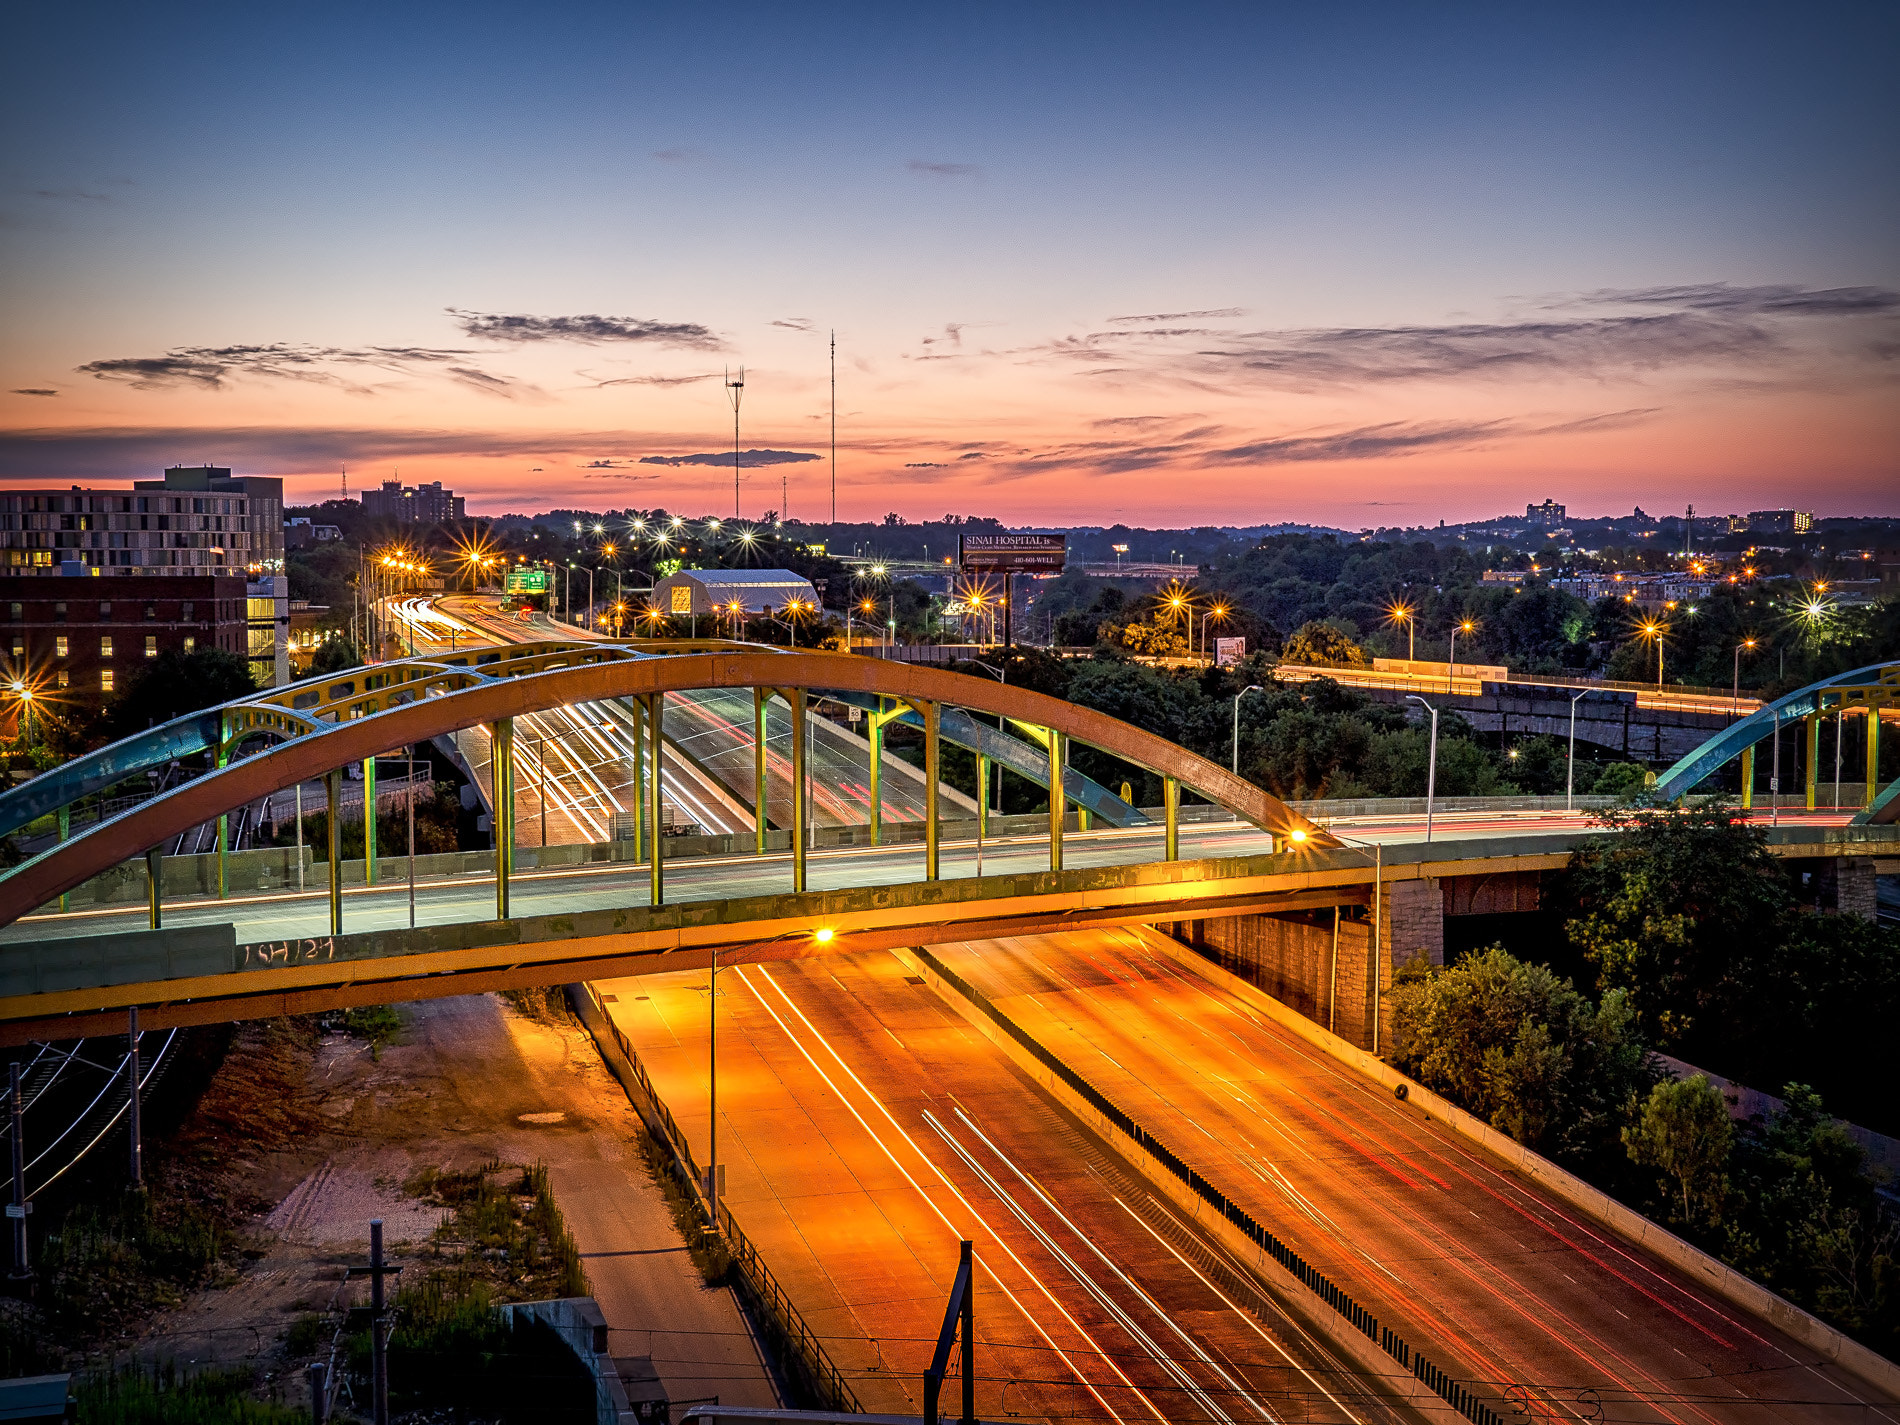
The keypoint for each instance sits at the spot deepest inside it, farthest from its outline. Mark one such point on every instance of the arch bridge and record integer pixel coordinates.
(316, 728)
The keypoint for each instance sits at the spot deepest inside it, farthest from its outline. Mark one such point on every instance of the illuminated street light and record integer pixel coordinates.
(1407, 615)
(1735, 694)
(1653, 629)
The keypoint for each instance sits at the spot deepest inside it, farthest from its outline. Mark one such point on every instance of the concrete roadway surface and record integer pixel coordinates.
(1487, 1274)
(865, 1128)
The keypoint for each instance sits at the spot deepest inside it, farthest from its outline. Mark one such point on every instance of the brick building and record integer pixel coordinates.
(80, 640)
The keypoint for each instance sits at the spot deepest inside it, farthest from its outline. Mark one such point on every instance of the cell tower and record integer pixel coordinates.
(834, 426)
(1688, 533)
(735, 392)
(346, 484)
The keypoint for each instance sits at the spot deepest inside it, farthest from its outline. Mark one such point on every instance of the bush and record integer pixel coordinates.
(1324, 644)
(162, 1396)
(1521, 1049)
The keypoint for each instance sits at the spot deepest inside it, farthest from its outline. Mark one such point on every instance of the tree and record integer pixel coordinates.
(1685, 1132)
(176, 683)
(333, 655)
(1323, 644)
(1520, 1048)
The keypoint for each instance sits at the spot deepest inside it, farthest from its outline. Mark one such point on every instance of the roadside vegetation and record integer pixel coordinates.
(1695, 943)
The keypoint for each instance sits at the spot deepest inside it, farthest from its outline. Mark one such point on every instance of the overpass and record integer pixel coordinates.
(1378, 1270)
(1642, 723)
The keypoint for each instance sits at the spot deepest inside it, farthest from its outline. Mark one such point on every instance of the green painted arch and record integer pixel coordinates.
(487, 700)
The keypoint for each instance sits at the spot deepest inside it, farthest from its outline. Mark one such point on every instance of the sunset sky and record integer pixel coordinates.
(1361, 265)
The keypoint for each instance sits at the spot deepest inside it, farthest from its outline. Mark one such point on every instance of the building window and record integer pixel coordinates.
(19, 611)
(59, 611)
(105, 610)
(59, 645)
(19, 648)
(189, 606)
(151, 645)
(63, 679)
(105, 646)
(105, 680)
(190, 643)
(151, 611)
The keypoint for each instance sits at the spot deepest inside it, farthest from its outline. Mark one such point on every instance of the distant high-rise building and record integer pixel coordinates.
(1548, 515)
(1771, 521)
(1804, 522)
(197, 520)
(419, 504)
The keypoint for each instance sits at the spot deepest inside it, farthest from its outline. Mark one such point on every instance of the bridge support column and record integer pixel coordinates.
(933, 773)
(759, 784)
(1171, 816)
(65, 830)
(656, 826)
(1873, 755)
(369, 821)
(1748, 777)
(796, 696)
(154, 886)
(874, 734)
(1056, 800)
(982, 796)
(1813, 769)
(501, 780)
(332, 793)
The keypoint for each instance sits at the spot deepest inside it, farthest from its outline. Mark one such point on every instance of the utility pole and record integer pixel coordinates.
(378, 1322)
(19, 1207)
(735, 392)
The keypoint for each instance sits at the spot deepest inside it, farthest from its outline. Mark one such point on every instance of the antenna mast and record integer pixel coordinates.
(735, 391)
(346, 484)
(834, 425)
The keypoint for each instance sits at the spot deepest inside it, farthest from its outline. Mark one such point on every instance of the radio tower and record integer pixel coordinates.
(346, 484)
(735, 391)
(834, 426)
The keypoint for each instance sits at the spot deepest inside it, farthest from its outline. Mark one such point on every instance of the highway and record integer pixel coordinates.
(866, 1129)
(1482, 1268)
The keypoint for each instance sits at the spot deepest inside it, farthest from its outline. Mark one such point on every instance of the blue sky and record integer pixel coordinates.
(970, 198)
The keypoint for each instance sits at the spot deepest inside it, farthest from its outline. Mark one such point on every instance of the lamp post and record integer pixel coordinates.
(1403, 613)
(1655, 630)
(1570, 768)
(1431, 764)
(1219, 611)
(1735, 692)
(1452, 669)
(1251, 688)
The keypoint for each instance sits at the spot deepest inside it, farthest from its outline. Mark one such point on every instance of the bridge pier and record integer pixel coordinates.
(1748, 777)
(1171, 815)
(933, 773)
(154, 888)
(1813, 777)
(1873, 756)
(982, 796)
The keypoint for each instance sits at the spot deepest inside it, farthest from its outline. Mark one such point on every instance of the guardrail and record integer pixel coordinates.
(798, 1345)
(1452, 1391)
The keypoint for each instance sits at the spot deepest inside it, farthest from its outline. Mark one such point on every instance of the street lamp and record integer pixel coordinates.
(1570, 769)
(1735, 692)
(1467, 626)
(1218, 612)
(1252, 688)
(1431, 764)
(1653, 628)
(1120, 550)
(1407, 615)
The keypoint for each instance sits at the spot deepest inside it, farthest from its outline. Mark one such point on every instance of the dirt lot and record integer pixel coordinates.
(315, 1134)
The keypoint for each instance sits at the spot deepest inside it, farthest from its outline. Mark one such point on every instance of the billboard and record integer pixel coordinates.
(681, 599)
(1008, 553)
(1229, 651)
(524, 579)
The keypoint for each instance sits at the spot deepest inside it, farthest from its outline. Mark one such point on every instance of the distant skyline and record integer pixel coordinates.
(1377, 266)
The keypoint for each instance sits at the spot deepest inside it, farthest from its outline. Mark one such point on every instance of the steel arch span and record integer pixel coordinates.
(1866, 690)
(412, 702)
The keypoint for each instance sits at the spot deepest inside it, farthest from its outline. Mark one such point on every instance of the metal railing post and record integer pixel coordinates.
(1171, 816)
(1812, 770)
(797, 700)
(333, 792)
(501, 778)
(933, 773)
(656, 876)
(369, 820)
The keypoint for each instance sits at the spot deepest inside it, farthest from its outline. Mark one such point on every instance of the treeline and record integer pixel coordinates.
(1699, 944)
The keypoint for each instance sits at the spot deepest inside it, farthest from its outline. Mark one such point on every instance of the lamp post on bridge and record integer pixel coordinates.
(1431, 764)
(1251, 688)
